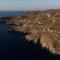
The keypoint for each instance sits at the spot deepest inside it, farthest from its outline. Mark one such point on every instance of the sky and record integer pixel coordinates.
(29, 4)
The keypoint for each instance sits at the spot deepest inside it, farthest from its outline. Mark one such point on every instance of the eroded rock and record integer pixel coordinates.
(42, 26)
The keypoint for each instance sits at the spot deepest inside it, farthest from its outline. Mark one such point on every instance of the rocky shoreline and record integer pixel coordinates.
(4, 19)
(42, 26)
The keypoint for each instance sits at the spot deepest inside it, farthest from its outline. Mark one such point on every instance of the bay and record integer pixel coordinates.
(15, 44)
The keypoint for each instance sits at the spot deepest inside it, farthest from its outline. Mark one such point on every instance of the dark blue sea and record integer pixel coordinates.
(11, 13)
(14, 44)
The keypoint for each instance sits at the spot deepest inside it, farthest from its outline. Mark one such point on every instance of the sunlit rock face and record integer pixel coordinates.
(41, 26)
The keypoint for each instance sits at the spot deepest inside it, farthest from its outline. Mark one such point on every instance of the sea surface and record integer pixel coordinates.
(14, 44)
(11, 13)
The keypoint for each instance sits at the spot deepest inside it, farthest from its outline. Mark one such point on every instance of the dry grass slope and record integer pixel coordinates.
(43, 26)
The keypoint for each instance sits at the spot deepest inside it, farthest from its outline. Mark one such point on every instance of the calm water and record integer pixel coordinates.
(14, 44)
(11, 13)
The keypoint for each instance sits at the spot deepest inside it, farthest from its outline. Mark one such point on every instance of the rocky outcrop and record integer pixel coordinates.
(4, 19)
(42, 26)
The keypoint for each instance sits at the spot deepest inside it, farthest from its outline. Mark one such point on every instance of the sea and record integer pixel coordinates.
(14, 44)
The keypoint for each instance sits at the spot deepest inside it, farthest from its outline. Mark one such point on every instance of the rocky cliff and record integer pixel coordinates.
(43, 26)
(4, 19)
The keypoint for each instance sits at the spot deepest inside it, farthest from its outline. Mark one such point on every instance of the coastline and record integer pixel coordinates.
(41, 26)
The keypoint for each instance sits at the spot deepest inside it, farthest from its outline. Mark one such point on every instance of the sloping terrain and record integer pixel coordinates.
(43, 26)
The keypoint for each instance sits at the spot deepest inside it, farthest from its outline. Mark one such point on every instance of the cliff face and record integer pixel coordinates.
(41, 26)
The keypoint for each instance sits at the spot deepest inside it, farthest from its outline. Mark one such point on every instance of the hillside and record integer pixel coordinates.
(42, 26)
